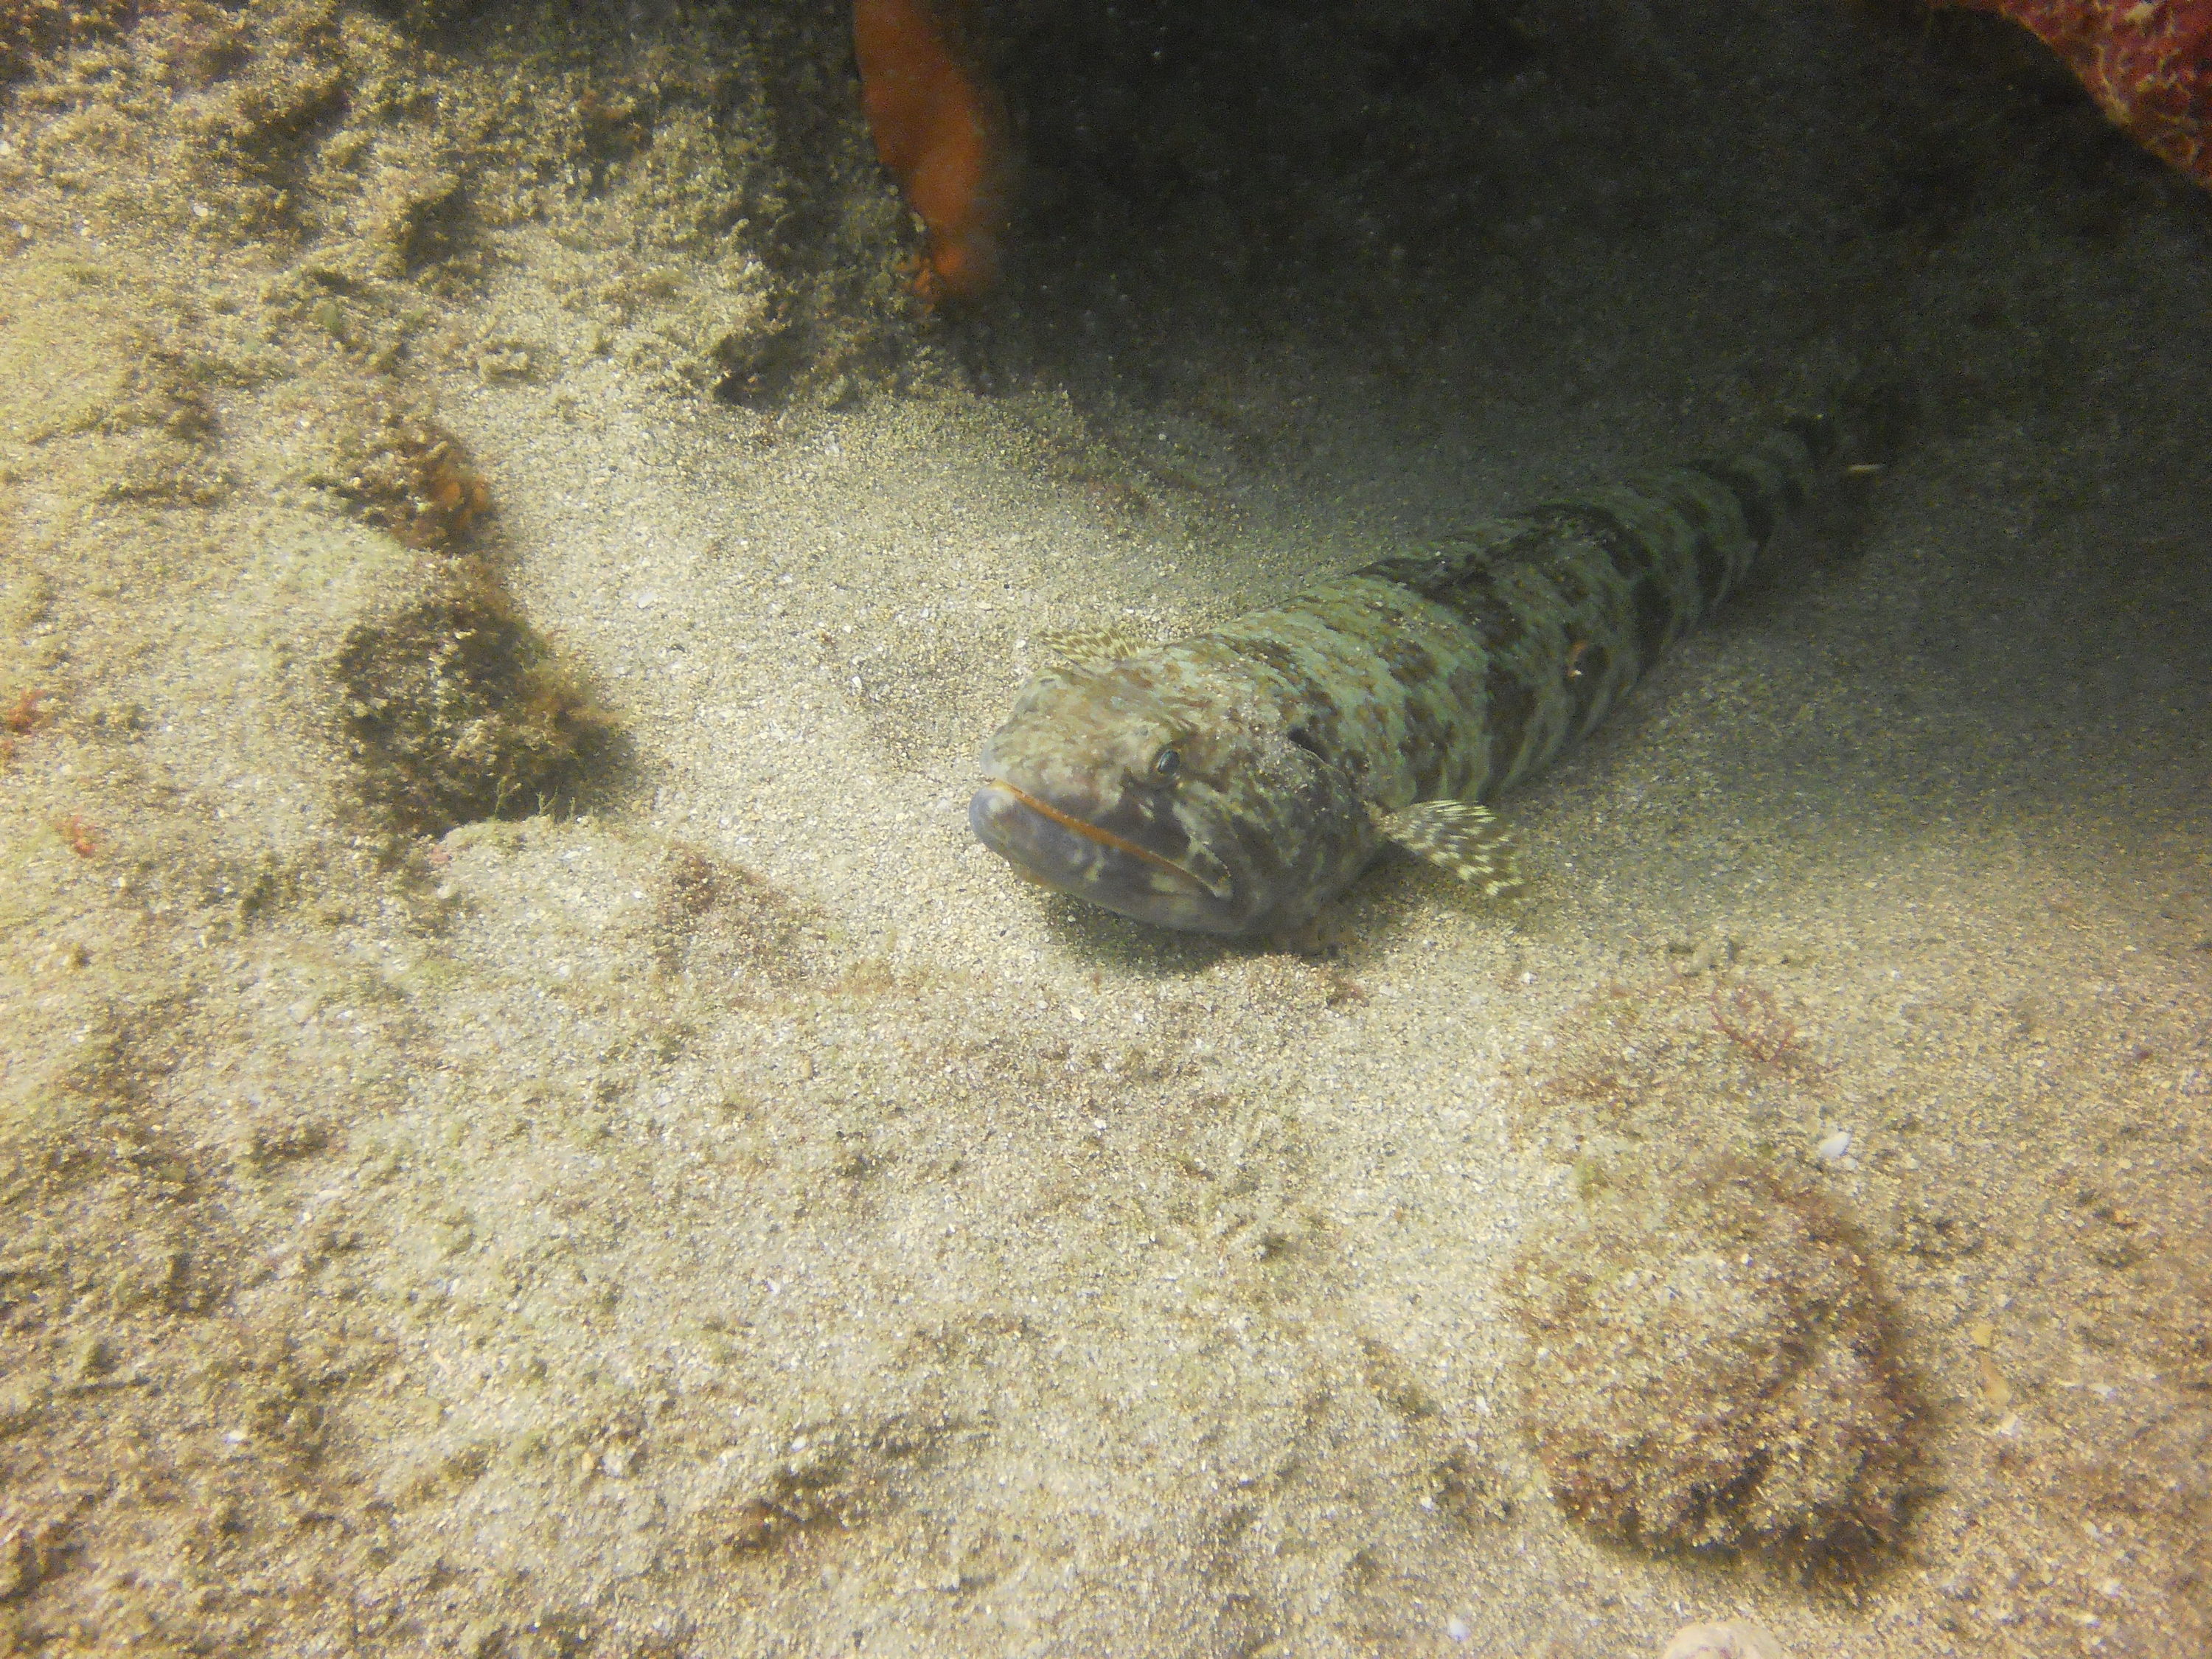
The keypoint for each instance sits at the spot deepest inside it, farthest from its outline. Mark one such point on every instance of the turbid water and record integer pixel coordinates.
(530, 1124)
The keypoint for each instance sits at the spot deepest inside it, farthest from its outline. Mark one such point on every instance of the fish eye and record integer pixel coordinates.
(1167, 764)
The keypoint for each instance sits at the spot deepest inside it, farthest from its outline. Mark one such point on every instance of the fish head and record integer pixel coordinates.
(1179, 806)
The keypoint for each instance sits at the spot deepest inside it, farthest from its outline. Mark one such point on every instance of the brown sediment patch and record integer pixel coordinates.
(1714, 1372)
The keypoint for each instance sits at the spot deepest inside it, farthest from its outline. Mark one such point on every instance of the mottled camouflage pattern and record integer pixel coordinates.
(1233, 782)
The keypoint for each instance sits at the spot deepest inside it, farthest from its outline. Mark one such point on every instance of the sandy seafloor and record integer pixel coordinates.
(728, 1213)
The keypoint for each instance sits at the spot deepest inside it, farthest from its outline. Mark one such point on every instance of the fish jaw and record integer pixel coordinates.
(1062, 850)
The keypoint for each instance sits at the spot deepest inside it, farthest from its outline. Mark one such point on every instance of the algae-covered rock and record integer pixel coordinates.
(1713, 1370)
(401, 467)
(456, 710)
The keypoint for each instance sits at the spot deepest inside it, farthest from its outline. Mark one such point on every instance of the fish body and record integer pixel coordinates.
(1235, 782)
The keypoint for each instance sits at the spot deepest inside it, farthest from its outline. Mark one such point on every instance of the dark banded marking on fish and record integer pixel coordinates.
(1234, 781)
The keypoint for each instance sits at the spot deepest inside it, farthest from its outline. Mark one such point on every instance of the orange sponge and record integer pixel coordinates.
(2148, 63)
(940, 130)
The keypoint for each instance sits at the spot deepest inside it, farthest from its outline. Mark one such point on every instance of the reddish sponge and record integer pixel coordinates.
(2148, 63)
(937, 128)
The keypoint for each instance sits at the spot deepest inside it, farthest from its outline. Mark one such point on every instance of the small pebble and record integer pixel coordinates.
(1458, 1629)
(1739, 1639)
(1835, 1148)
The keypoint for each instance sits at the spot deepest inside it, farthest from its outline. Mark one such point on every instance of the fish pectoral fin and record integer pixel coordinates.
(1087, 650)
(1461, 836)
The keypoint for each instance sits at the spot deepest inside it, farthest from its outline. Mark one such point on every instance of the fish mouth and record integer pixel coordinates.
(1066, 853)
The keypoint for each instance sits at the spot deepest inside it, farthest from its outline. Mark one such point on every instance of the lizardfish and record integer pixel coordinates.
(1235, 782)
